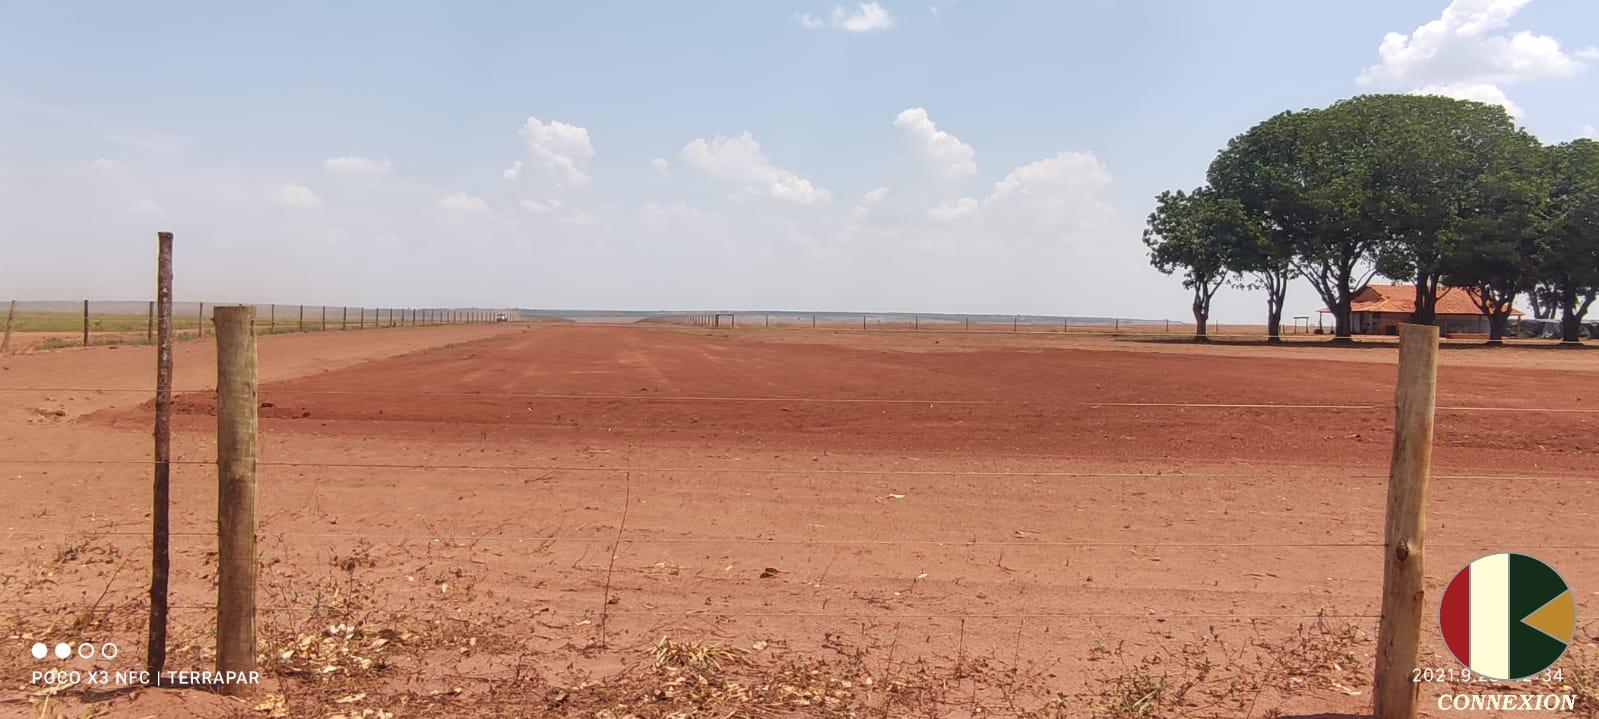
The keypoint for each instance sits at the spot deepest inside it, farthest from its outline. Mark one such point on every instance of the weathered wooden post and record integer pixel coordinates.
(1394, 694)
(149, 322)
(344, 318)
(200, 321)
(1014, 321)
(156, 646)
(324, 318)
(236, 494)
(11, 314)
(300, 323)
(85, 323)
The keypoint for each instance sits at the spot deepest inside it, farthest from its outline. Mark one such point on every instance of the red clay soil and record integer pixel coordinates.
(652, 386)
(943, 495)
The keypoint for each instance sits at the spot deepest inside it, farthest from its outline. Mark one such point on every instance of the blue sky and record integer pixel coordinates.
(928, 156)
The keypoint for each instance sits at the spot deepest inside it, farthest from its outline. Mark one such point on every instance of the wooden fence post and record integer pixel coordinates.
(1394, 694)
(344, 318)
(11, 314)
(236, 493)
(301, 326)
(272, 318)
(200, 320)
(324, 318)
(149, 323)
(85, 323)
(156, 646)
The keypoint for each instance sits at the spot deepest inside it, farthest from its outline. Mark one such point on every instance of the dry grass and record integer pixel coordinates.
(343, 651)
(1211, 676)
(1581, 669)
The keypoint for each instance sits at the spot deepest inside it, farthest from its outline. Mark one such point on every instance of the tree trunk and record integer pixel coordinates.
(1426, 303)
(1274, 326)
(1201, 311)
(1496, 326)
(1570, 326)
(1276, 290)
(1343, 326)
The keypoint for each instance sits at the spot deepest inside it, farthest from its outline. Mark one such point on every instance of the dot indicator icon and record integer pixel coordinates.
(40, 651)
(63, 650)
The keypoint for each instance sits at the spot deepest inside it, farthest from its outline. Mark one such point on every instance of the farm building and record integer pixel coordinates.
(1378, 310)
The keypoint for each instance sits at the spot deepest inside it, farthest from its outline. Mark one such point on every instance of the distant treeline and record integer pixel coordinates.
(1433, 191)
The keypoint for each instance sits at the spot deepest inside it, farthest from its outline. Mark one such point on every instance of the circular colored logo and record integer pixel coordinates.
(1507, 616)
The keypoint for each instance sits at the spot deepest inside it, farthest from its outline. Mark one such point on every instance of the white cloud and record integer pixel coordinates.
(541, 208)
(952, 210)
(807, 20)
(868, 17)
(298, 196)
(739, 160)
(1478, 91)
(579, 218)
(109, 166)
(661, 167)
(513, 172)
(561, 147)
(357, 166)
(952, 157)
(1055, 195)
(1587, 53)
(1460, 55)
(874, 195)
(1588, 131)
(462, 202)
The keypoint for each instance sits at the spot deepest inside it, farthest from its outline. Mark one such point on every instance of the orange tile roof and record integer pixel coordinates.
(1401, 299)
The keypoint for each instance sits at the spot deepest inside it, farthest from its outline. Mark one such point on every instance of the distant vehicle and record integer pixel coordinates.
(1549, 329)
(501, 318)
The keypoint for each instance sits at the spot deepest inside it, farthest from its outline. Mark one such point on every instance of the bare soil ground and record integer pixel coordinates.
(508, 520)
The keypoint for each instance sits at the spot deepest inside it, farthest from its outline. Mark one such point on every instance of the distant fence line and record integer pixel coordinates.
(87, 322)
(940, 322)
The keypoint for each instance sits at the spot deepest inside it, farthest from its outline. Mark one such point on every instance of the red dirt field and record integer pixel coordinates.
(1064, 505)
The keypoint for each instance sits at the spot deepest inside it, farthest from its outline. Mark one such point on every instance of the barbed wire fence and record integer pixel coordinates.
(53, 325)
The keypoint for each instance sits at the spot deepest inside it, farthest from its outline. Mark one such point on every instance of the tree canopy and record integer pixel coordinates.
(1445, 194)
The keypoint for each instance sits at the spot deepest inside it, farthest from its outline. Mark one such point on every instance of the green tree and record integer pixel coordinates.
(1493, 250)
(1306, 178)
(1439, 163)
(1181, 237)
(1568, 262)
(1261, 258)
